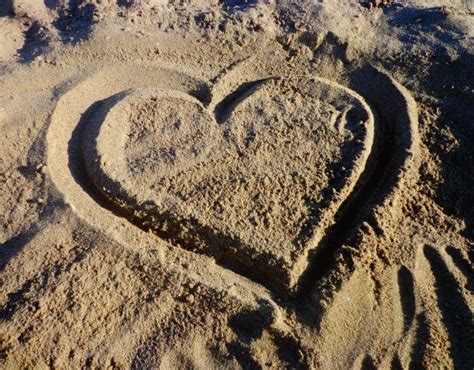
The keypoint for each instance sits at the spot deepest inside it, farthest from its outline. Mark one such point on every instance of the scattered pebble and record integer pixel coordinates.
(190, 298)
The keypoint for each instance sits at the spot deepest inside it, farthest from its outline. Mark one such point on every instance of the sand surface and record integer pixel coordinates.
(236, 184)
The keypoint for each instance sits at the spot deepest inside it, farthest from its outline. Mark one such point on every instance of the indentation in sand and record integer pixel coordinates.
(261, 177)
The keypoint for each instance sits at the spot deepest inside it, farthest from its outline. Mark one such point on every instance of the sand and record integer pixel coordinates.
(236, 184)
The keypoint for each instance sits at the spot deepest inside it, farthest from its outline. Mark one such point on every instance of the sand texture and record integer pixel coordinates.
(236, 184)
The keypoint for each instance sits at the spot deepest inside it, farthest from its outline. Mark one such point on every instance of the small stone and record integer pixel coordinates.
(41, 168)
(190, 298)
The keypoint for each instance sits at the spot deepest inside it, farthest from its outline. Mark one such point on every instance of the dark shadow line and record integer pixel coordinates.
(456, 314)
(368, 363)
(406, 287)
(14, 301)
(225, 107)
(12, 247)
(349, 214)
(419, 347)
(124, 4)
(76, 160)
(396, 363)
(464, 266)
(470, 255)
(249, 325)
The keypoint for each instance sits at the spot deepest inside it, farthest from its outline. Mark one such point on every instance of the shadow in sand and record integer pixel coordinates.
(125, 4)
(13, 246)
(33, 288)
(455, 312)
(238, 4)
(75, 22)
(248, 325)
(36, 42)
(454, 84)
(419, 346)
(463, 265)
(14, 301)
(6, 8)
(407, 296)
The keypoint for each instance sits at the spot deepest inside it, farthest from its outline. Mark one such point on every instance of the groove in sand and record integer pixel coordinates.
(377, 177)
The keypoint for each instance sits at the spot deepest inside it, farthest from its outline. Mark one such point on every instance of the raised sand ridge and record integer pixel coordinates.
(256, 190)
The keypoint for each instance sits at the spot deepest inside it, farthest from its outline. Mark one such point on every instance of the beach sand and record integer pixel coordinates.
(236, 184)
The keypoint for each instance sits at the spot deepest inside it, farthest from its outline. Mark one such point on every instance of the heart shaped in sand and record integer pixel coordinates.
(256, 188)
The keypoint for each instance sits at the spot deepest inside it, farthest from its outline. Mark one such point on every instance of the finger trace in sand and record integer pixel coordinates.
(250, 190)
(256, 180)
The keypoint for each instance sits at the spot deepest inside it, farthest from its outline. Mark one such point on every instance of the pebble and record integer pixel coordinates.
(190, 298)
(41, 168)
